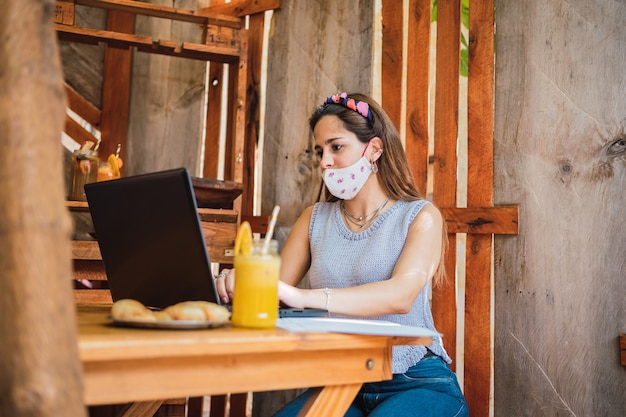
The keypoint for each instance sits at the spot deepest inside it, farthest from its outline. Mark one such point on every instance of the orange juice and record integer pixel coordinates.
(255, 299)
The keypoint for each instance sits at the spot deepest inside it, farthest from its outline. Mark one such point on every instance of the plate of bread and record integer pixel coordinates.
(184, 316)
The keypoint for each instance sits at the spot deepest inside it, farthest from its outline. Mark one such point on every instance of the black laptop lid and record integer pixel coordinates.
(151, 239)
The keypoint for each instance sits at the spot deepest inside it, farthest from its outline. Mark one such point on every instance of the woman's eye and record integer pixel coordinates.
(336, 148)
(319, 154)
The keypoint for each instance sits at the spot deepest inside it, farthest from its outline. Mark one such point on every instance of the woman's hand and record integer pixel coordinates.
(225, 284)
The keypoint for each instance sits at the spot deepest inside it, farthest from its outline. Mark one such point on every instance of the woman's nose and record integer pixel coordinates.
(326, 161)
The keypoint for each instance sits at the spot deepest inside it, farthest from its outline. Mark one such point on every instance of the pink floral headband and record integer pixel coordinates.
(360, 107)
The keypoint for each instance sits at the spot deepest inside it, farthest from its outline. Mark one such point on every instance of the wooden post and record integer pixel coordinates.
(40, 373)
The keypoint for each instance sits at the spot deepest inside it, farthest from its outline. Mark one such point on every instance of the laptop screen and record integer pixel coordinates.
(151, 239)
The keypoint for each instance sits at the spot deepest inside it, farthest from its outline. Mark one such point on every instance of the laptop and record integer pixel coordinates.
(151, 240)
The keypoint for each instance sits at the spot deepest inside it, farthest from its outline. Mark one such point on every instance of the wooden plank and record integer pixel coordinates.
(206, 214)
(622, 347)
(258, 224)
(236, 121)
(195, 406)
(94, 36)
(241, 8)
(77, 132)
(218, 406)
(478, 300)
(477, 349)
(165, 12)
(445, 157)
(238, 404)
(141, 409)
(86, 250)
(222, 52)
(93, 296)
(218, 215)
(482, 220)
(92, 270)
(116, 78)
(331, 401)
(64, 12)
(213, 120)
(213, 116)
(187, 50)
(228, 39)
(391, 100)
(417, 91)
(252, 113)
(219, 237)
(82, 107)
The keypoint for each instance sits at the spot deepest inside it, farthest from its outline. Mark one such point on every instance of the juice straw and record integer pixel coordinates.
(270, 229)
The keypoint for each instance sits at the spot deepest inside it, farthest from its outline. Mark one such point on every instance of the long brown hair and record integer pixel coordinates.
(394, 173)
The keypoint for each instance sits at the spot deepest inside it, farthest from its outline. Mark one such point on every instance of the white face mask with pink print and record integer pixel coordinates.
(345, 183)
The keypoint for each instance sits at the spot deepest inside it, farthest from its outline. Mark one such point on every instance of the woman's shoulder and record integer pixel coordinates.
(421, 208)
(424, 212)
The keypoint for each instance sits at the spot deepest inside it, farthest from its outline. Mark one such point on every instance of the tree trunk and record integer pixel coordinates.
(40, 373)
(559, 151)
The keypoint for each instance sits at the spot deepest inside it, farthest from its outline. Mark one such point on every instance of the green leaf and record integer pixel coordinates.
(465, 13)
(464, 62)
(433, 13)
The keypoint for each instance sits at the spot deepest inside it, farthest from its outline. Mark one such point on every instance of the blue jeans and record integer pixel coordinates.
(429, 388)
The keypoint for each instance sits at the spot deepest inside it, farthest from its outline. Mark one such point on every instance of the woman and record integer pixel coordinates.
(371, 250)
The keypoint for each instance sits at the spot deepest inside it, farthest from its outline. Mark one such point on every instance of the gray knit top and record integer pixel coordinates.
(342, 259)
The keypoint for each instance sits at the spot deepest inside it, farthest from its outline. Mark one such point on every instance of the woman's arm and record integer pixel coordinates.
(415, 267)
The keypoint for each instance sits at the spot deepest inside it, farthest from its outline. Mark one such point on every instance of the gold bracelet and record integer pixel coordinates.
(328, 292)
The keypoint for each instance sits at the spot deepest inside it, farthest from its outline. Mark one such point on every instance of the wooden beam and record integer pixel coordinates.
(79, 105)
(478, 288)
(227, 53)
(64, 12)
(445, 156)
(417, 91)
(482, 220)
(116, 78)
(252, 122)
(141, 409)
(77, 132)
(622, 347)
(391, 100)
(165, 12)
(241, 8)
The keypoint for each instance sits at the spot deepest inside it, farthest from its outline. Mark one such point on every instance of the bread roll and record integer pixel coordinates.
(128, 309)
(198, 311)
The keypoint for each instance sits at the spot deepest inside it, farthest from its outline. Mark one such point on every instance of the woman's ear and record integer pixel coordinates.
(376, 147)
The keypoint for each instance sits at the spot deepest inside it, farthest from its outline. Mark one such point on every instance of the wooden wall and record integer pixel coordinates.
(560, 152)
(316, 48)
(166, 99)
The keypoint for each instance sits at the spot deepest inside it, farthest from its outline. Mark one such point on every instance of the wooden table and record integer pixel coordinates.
(124, 365)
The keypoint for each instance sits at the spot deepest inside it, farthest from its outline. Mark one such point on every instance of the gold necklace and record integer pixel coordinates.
(356, 219)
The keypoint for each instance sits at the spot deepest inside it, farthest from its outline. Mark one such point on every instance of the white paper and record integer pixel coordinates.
(352, 326)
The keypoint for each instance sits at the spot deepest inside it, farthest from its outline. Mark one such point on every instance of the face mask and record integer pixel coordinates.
(346, 182)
